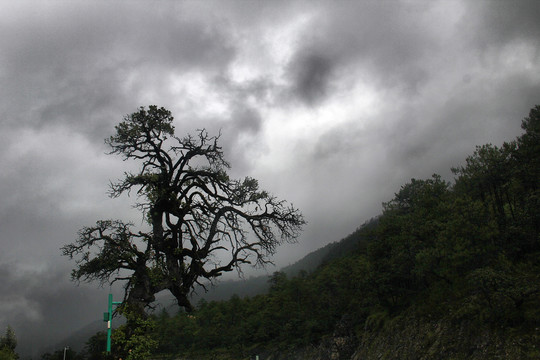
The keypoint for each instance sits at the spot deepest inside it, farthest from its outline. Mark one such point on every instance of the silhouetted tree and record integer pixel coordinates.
(201, 222)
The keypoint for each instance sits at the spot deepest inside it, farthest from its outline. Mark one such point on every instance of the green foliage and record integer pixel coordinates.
(8, 343)
(70, 354)
(96, 346)
(9, 340)
(376, 320)
(6, 354)
(134, 340)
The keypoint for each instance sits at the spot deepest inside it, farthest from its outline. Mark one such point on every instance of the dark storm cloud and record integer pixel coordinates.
(471, 117)
(396, 47)
(382, 42)
(312, 76)
(500, 22)
(245, 120)
(77, 72)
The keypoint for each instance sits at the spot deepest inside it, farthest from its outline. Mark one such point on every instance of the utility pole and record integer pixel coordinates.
(108, 318)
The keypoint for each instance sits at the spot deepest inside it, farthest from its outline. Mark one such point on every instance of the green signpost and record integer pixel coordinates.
(108, 318)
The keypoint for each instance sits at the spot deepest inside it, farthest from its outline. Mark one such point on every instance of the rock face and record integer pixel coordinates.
(344, 341)
(340, 346)
(409, 338)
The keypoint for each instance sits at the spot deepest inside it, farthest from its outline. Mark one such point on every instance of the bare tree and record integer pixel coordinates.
(202, 223)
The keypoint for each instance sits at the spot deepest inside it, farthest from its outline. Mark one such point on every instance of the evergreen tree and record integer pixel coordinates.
(8, 343)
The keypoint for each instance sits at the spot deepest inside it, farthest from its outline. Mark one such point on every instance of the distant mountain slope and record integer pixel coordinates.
(225, 289)
(243, 288)
(78, 339)
(259, 284)
(359, 238)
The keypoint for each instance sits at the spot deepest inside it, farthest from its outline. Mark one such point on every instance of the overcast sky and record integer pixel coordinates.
(332, 105)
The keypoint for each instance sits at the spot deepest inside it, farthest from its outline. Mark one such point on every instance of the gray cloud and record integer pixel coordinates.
(382, 42)
(395, 46)
(240, 125)
(312, 76)
(47, 65)
(501, 22)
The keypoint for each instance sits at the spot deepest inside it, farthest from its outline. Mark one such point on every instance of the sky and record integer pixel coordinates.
(331, 105)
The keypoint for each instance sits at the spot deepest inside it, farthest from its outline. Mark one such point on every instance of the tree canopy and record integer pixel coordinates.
(201, 222)
(8, 343)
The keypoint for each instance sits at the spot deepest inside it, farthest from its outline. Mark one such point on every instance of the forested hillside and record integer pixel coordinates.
(448, 271)
(259, 284)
